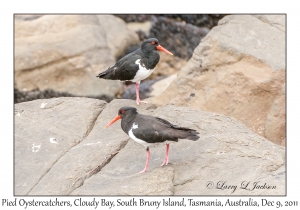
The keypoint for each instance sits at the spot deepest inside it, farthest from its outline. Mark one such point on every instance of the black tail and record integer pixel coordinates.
(180, 132)
(102, 74)
(186, 133)
(108, 74)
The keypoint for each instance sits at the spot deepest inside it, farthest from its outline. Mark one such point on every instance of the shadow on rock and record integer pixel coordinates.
(23, 96)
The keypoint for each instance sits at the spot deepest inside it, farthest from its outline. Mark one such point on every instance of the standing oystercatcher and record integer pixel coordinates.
(147, 130)
(137, 65)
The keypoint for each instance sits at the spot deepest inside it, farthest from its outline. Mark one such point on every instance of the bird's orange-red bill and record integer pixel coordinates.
(158, 47)
(113, 121)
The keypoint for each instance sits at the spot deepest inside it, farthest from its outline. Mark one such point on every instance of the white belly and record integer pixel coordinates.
(140, 141)
(137, 140)
(133, 137)
(142, 73)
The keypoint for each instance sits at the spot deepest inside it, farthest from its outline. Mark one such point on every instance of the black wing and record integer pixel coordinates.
(124, 69)
(154, 129)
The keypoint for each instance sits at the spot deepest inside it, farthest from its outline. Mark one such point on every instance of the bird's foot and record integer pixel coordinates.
(143, 171)
(166, 161)
(139, 101)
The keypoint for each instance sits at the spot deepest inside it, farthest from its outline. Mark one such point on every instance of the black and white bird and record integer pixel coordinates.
(148, 130)
(136, 66)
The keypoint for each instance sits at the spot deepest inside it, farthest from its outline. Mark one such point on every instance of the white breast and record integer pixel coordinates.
(142, 73)
(133, 137)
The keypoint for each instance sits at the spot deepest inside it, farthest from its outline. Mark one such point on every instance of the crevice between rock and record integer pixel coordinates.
(173, 188)
(184, 182)
(107, 159)
(87, 133)
(59, 60)
(271, 24)
(90, 128)
(80, 181)
(53, 105)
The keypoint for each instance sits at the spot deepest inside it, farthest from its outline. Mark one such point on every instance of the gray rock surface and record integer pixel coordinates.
(106, 162)
(262, 37)
(45, 130)
(238, 70)
(118, 36)
(160, 86)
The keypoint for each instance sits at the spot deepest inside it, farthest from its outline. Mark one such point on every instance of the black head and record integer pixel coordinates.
(151, 45)
(123, 112)
(127, 111)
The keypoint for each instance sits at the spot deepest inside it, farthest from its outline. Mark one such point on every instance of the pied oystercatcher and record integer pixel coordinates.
(136, 66)
(147, 130)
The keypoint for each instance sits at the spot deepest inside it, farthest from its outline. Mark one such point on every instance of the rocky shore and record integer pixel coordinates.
(227, 80)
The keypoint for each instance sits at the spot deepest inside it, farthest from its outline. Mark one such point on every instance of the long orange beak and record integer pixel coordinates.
(113, 121)
(158, 47)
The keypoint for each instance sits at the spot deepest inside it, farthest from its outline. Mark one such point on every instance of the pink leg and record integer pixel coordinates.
(147, 161)
(138, 101)
(166, 159)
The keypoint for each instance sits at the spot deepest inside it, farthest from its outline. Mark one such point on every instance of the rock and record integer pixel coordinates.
(82, 160)
(168, 65)
(275, 123)
(144, 27)
(238, 70)
(134, 17)
(85, 159)
(45, 131)
(129, 49)
(274, 20)
(26, 17)
(179, 38)
(117, 34)
(23, 96)
(225, 145)
(66, 52)
(160, 86)
(200, 20)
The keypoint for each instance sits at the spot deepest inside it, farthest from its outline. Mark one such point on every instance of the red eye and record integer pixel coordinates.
(153, 42)
(122, 111)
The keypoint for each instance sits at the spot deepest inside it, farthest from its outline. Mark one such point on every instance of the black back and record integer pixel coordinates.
(153, 129)
(126, 68)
